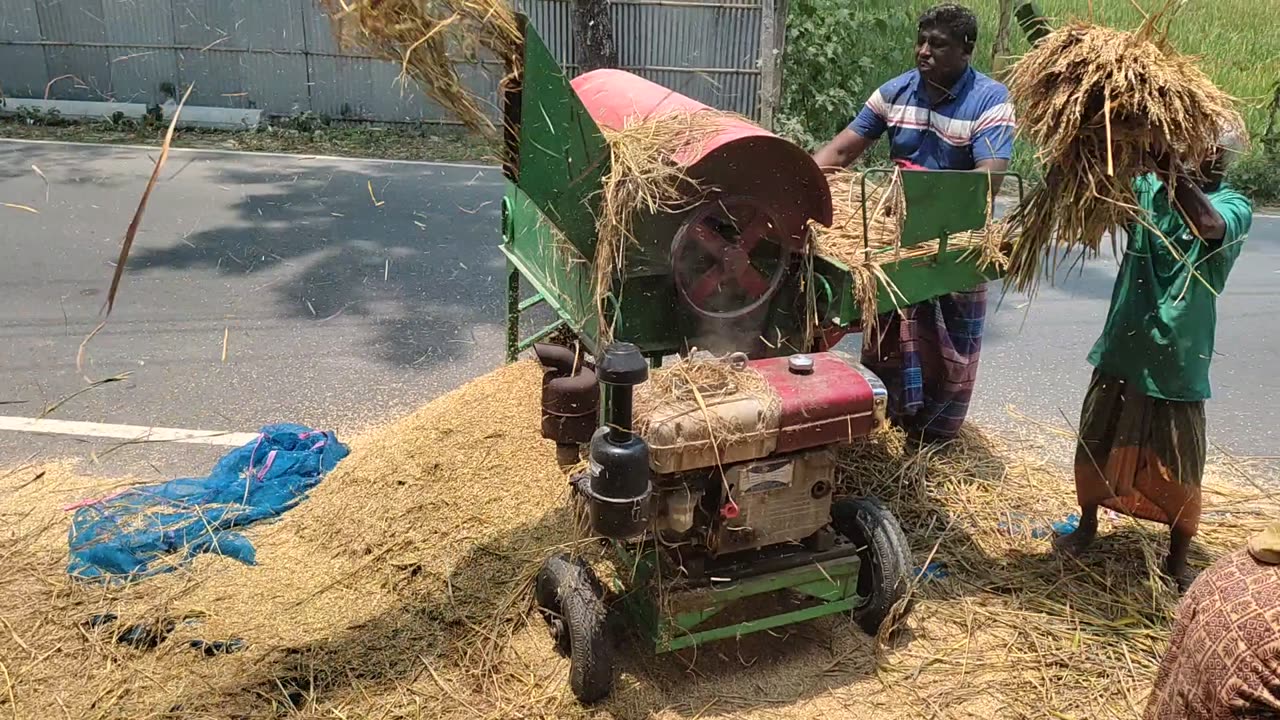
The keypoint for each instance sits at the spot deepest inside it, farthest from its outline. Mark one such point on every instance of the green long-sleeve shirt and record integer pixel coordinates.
(1160, 329)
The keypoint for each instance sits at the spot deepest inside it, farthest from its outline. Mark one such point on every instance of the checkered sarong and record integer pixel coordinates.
(927, 356)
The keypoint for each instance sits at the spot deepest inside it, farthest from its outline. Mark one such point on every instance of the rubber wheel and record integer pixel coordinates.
(571, 600)
(884, 578)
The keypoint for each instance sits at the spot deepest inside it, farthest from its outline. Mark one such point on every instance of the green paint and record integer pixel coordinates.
(531, 302)
(939, 202)
(563, 155)
(834, 585)
(754, 626)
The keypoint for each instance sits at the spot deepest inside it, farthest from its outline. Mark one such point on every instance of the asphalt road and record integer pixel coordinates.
(351, 291)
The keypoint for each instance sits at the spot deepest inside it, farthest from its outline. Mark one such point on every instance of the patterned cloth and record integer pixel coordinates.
(931, 370)
(1223, 661)
(1140, 455)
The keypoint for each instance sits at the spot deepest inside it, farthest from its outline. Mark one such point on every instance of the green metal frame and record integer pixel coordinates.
(679, 621)
(940, 203)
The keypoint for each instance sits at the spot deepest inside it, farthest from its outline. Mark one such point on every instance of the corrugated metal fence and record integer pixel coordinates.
(280, 55)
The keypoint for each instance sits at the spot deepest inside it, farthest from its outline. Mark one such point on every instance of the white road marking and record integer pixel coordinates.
(224, 151)
(46, 426)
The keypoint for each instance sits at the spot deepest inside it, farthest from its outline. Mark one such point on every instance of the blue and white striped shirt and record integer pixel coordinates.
(972, 123)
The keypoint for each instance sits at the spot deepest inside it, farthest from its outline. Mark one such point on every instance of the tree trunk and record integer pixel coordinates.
(594, 36)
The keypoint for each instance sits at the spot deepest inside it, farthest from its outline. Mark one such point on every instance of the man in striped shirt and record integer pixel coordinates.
(942, 115)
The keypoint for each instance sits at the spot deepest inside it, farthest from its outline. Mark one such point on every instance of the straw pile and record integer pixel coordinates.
(647, 176)
(692, 386)
(1096, 102)
(864, 250)
(399, 589)
(426, 37)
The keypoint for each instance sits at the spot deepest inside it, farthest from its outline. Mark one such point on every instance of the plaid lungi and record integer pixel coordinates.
(927, 356)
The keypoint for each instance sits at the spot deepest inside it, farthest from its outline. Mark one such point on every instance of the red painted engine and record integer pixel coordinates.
(772, 483)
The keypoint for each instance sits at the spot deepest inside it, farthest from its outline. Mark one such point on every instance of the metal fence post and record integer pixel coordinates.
(773, 40)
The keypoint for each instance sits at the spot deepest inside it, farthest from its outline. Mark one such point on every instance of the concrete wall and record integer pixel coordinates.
(279, 56)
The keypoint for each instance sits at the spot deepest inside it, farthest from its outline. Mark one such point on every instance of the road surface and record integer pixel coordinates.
(348, 292)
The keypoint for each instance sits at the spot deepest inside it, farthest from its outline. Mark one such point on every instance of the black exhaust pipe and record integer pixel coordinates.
(617, 485)
(570, 401)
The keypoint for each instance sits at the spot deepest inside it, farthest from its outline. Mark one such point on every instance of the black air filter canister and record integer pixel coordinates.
(617, 485)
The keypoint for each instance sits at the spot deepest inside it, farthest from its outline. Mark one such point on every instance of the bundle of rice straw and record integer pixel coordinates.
(1095, 101)
(648, 175)
(426, 37)
(696, 383)
(864, 250)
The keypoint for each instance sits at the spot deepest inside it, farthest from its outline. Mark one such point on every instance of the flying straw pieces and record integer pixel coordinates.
(426, 37)
(1096, 101)
(400, 588)
(647, 175)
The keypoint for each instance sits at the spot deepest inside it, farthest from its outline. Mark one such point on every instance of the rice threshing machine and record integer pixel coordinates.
(711, 542)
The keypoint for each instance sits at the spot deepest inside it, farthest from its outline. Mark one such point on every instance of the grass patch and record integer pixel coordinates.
(304, 134)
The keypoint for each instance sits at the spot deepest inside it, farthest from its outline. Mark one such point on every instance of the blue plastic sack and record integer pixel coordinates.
(153, 529)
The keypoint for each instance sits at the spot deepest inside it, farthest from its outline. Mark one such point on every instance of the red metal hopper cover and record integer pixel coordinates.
(743, 159)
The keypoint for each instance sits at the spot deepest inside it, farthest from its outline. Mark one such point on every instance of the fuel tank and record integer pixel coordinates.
(824, 398)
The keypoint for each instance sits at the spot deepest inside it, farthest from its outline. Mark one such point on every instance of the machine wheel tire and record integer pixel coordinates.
(571, 600)
(886, 557)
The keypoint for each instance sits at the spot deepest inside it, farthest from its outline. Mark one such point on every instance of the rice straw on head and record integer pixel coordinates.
(421, 35)
(1096, 101)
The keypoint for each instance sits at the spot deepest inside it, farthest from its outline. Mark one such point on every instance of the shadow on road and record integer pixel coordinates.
(409, 250)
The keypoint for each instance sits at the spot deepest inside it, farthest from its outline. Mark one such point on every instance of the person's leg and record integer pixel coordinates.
(1099, 420)
(1175, 565)
(1079, 540)
(1182, 450)
(951, 347)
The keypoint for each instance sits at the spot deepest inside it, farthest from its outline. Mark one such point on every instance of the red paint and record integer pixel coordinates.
(833, 404)
(743, 159)
(614, 96)
(829, 337)
(734, 262)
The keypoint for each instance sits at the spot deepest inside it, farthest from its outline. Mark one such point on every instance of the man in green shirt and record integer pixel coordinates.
(1142, 426)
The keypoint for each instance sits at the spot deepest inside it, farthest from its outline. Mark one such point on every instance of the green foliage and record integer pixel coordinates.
(306, 122)
(838, 53)
(1257, 175)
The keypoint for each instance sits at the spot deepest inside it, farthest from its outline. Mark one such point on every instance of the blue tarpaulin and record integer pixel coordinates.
(151, 529)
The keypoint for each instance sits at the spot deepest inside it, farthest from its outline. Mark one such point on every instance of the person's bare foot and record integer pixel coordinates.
(1178, 579)
(1076, 542)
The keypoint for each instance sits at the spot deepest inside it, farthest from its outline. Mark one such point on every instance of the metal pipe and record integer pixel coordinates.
(619, 399)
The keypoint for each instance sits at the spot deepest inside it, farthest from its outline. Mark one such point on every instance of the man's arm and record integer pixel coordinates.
(843, 150)
(1198, 211)
(994, 166)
